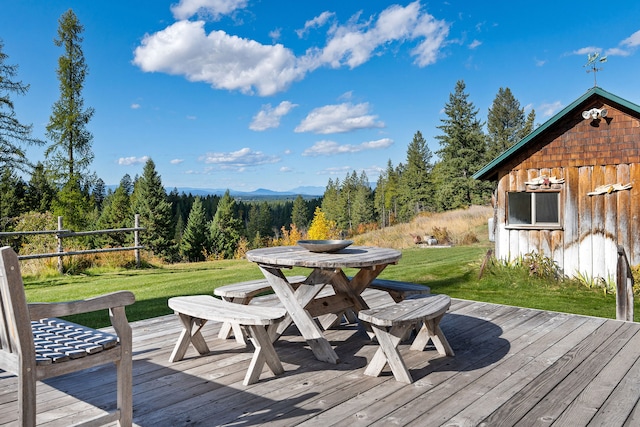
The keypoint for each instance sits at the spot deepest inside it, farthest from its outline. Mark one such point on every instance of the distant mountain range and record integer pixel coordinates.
(260, 192)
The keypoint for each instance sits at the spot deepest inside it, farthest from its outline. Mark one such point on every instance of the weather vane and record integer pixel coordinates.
(592, 61)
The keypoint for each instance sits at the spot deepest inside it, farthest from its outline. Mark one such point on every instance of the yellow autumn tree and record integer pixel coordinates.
(321, 228)
(290, 238)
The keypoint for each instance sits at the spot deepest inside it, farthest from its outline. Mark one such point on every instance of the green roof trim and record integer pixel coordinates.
(488, 169)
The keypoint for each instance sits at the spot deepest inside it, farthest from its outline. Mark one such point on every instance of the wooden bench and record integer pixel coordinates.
(243, 293)
(391, 323)
(400, 290)
(196, 310)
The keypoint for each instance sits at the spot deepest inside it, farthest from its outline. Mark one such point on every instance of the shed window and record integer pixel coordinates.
(533, 209)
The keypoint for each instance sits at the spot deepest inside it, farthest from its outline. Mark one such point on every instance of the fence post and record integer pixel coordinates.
(136, 239)
(60, 247)
(624, 287)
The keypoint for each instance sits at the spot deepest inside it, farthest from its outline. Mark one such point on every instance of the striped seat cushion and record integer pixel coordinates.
(58, 340)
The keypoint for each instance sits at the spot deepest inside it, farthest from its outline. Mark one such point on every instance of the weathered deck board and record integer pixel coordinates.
(513, 366)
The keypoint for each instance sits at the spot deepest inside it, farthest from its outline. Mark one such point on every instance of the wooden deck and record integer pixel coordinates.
(512, 366)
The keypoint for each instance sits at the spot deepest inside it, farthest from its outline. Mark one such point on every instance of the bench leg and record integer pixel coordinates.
(227, 327)
(431, 331)
(189, 336)
(264, 353)
(388, 353)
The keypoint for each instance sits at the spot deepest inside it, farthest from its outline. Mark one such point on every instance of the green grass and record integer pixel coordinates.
(452, 271)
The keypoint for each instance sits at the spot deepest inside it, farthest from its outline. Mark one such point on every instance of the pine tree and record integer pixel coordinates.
(362, 208)
(149, 199)
(226, 228)
(13, 134)
(506, 123)
(116, 213)
(12, 196)
(99, 193)
(194, 241)
(70, 154)
(414, 184)
(40, 192)
(259, 227)
(300, 213)
(74, 205)
(330, 201)
(462, 153)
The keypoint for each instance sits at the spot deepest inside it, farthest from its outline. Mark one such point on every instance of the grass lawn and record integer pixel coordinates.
(452, 271)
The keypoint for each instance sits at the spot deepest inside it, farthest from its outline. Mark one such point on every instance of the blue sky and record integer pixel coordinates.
(247, 94)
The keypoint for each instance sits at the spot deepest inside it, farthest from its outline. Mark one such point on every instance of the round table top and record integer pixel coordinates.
(351, 257)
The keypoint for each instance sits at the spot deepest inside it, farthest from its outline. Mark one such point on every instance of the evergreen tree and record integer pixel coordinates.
(330, 201)
(73, 205)
(259, 224)
(529, 124)
(179, 222)
(362, 207)
(13, 134)
(149, 199)
(300, 213)
(226, 228)
(462, 153)
(346, 198)
(40, 192)
(116, 213)
(70, 154)
(99, 193)
(386, 196)
(127, 184)
(506, 123)
(414, 185)
(12, 196)
(194, 241)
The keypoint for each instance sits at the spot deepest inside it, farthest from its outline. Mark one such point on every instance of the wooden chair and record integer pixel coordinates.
(34, 345)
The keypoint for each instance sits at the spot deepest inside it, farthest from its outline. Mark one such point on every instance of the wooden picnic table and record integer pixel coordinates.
(327, 269)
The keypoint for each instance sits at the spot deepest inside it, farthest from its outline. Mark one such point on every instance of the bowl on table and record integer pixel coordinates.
(324, 245)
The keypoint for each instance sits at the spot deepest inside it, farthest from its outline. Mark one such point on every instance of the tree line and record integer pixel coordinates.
(187, 227)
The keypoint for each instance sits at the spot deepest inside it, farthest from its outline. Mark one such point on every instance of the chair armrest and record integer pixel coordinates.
(41, 310)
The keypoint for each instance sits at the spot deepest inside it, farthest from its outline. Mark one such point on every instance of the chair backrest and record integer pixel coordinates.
(16, 337)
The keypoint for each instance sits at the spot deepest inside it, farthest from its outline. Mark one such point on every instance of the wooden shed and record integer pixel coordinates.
(571, 188)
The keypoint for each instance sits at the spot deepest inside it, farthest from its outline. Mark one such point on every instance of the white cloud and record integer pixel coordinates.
(616, 51)
(275, 34)
(474, 44)
(329, 148)
(632, 41)
(342, 170)
(540, 62)
(233, 63)
(128, 161)
(239, 160)
(549, 109)
(268, 117)
(354, 44)
(316, 22)
(206, 8)
(587, 50)
(339, 118)
(286, 169)
(135, 106)
(176, 161)
(223, 61)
